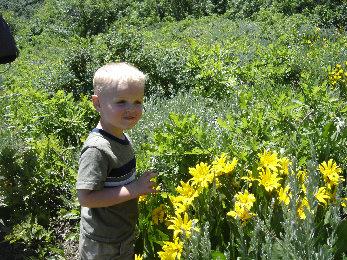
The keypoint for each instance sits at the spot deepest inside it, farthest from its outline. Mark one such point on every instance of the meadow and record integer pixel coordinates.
(244, 121)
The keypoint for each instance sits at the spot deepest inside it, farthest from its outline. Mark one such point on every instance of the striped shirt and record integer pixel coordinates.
(107, 161)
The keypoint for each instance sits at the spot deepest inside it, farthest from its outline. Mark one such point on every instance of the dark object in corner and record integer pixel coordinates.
(8, 49)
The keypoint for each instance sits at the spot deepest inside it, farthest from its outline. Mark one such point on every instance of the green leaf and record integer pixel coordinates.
(277, 251)
(159, 237)
(57, 250)
(216, 255)
(223, 124)
(341, 243)
(327, 129)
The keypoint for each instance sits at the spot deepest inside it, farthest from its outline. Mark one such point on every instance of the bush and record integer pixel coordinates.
(256, 218)
(39, 170)
(79, 66)
(215, 85)
(35, 115)
(121, 43)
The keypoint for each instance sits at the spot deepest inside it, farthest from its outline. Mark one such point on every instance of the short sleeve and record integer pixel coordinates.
(92, 171)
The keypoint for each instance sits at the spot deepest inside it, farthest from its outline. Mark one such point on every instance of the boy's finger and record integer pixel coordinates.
(153, 174)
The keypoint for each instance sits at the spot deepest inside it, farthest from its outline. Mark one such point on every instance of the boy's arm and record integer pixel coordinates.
(111, 196)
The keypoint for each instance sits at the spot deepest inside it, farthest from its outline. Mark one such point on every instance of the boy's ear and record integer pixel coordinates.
(96, 102)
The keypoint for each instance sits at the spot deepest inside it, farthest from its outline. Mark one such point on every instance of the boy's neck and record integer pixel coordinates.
(118, 135)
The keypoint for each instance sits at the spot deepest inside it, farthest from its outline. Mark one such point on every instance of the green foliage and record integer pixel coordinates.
(94, 17)
(29, 176)
(198, 245)
(120, 43)
(210, 74)
(151, 241)
(38, 172)
(324, 13)
(219, 83)
(330, 13)
(33, 114)
(36, 183)
(79, 66)
(177, 146)
(244, 9)
(181, 9)
(21, 7)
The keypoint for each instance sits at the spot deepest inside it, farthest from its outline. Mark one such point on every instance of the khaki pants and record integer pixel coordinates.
(92, 250)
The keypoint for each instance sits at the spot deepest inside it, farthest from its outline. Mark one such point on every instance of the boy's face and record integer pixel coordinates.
(120, 107)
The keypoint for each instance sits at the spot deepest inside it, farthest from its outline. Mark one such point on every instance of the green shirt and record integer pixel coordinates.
(107, 161)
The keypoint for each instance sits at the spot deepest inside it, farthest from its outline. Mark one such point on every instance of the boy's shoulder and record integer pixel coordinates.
(96, 140)
(102, 140)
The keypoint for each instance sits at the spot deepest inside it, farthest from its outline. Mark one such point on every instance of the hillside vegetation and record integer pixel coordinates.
(244, 121)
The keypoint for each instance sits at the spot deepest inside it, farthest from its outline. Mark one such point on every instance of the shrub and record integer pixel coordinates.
(34, 115)
(121, 43)
(215, 84)
(264, 220)
(38, 170)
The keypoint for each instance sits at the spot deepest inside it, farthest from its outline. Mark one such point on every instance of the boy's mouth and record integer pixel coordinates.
(129, 117)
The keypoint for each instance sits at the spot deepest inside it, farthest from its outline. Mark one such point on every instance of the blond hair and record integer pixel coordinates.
(113, 74)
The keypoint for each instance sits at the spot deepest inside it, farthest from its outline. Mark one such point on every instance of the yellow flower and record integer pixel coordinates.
(158, 187)
(243, 206)
(171, 250)
(269, 180)
(180, 225)
(268, 160)
(180, 203)
(217, 183)
(332, 196)
(188, 191)
(330, 173)
(138, 257)
(303, 188)
(143, 198)
(322, 195)
(302, 176)
(284, 165)
(229, 167)
(249, 178)
(246, 199)
(343, 204)
(241, 212)
(284, 195)
(301, 211)
(201, 175)
(220, 166)
(158, 214)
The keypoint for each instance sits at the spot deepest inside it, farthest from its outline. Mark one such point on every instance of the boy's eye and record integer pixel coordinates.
(124, 102)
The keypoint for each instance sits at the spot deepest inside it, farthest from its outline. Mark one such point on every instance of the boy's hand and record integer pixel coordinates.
(145, 185)
(116, 195)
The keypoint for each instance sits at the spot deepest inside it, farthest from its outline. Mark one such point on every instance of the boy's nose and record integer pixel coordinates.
(129, 107)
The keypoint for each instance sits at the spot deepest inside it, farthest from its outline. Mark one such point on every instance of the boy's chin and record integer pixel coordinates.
(128, 127)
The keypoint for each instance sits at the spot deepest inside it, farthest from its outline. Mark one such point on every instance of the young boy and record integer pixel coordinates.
(107, 186)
